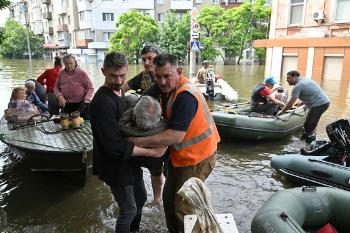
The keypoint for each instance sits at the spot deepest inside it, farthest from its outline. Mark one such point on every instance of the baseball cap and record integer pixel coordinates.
(150, 48)
(270, 80)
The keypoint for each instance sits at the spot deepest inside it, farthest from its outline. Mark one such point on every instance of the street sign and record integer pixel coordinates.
(194, 13)
(195, 45)
(195, 35)
(195, 27)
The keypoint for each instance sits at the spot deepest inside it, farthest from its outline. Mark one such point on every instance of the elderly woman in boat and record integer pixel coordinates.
(73, 88)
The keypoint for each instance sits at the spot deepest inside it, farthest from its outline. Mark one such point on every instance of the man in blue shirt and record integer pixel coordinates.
(311, 94)
(33, 97)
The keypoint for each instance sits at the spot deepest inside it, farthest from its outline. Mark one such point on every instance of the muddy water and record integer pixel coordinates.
(240, 183)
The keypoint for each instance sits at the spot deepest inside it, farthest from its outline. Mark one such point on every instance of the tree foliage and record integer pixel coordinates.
(210, 23)
(4, 4)
(175, 35)
(234, 29)
(14, 42)
(134, 30)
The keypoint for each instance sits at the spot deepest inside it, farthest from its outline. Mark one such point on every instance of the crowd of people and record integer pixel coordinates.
(67, 90)
(185, 148)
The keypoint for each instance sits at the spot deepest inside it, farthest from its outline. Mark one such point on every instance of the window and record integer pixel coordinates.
(160, 17)
(108, 17)
(296, 11)
(145, 12)
(160, 1)
(81, 16)
(216, 1)
(343, 8)
(199, 1)
(107, 36)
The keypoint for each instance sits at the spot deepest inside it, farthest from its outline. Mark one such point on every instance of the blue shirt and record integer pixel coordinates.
(308, 91)
(33, 98)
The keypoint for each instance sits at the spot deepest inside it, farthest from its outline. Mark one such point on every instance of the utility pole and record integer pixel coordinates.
(194, 43)
(25, 11)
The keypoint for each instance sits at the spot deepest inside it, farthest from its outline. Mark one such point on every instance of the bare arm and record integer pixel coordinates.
(288, 105)
(165, 138)
(272, 98)
(150, 152)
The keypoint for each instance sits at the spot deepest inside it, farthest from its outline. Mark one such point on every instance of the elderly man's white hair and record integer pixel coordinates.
(29, 84)
(147, 113)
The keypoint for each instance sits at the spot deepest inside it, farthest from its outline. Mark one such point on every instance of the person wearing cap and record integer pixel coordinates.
(143, 80)
(202, 72)
(264, 99)
(311, 94)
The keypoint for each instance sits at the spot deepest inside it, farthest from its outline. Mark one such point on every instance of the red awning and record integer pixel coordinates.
(50, 46)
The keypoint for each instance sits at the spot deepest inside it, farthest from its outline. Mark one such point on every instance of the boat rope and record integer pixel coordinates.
(291, 113)
(3, 137)
(284, 216)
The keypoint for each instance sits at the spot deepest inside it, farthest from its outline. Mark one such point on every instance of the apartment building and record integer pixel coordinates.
(84, 27)
(180, 7)
(311, 36)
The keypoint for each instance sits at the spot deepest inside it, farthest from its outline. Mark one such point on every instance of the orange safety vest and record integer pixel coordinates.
(201, 137)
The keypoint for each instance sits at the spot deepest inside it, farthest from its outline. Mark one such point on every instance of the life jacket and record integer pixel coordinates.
(201, 137)
(256, 98)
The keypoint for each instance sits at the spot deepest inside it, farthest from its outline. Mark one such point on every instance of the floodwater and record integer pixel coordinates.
(240, 183)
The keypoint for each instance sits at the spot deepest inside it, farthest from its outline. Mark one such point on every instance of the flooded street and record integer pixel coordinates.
(239, 184)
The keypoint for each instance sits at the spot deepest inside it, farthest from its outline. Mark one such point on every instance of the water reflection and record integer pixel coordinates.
(240, 183)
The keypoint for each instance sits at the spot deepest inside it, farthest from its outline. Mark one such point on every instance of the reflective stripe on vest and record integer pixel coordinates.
(193, 90)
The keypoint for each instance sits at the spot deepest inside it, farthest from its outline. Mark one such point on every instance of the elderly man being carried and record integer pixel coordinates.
(145, 119)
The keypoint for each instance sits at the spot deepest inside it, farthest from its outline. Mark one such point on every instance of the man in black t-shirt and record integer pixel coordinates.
(143, 80)
(113, 155)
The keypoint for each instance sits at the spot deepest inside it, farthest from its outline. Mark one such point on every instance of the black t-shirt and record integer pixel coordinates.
(183, 110)
(111, 150)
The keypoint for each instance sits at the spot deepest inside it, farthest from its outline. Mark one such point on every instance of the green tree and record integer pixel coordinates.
(14, 44)
(210, 23)
(174, 35)
(4, 4)
(244, 24)
(134, 30)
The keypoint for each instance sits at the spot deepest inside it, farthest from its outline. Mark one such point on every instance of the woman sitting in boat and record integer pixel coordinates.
(73, 88)
(33, 97)
(20, 105)
(264, 98)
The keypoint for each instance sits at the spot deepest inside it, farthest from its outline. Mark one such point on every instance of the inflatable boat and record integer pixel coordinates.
(305, 209)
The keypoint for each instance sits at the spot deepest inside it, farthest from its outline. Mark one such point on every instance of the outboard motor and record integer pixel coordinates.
(210, 85)
(339, 135)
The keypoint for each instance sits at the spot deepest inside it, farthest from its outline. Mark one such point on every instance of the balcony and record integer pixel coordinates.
(83, 43)
(62, 28)
(45, 1)
(84, 6)
(50, 30)
(62, 8)
(47, 15)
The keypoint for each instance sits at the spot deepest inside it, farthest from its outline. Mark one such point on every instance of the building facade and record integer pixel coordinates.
(84, 27)
(311, 36)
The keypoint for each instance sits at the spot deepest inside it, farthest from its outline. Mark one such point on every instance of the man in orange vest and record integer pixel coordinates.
(191, 133)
